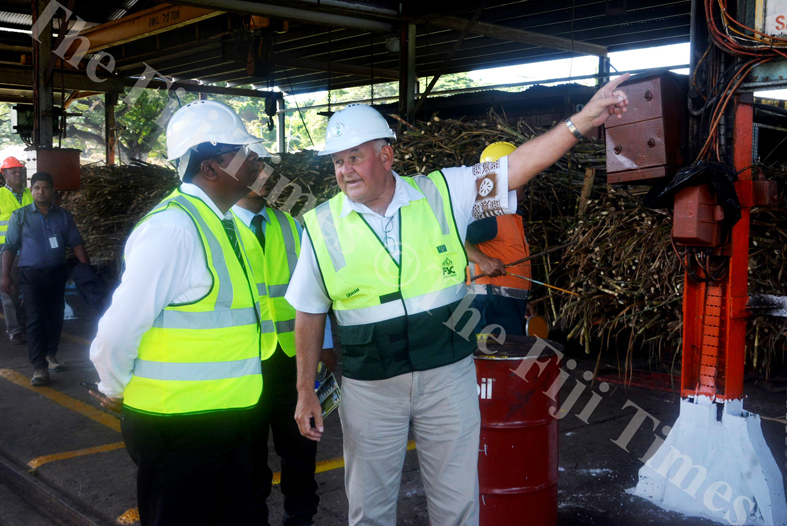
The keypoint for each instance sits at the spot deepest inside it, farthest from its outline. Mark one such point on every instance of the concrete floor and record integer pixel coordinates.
(94, 470)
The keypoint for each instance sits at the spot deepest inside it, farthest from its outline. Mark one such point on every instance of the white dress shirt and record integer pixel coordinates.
(246, 216)
(306, 291)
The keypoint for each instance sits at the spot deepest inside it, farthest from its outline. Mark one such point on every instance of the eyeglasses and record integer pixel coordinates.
(244, 149)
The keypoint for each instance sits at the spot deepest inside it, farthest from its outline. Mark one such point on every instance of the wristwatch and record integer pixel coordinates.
(573, 129)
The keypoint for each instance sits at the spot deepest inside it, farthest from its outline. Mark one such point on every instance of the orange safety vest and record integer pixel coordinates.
(509, 245)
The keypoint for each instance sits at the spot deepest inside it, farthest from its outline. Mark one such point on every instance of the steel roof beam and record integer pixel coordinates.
(23, 76)
(144, 24)
(522, 36)
(289, 13)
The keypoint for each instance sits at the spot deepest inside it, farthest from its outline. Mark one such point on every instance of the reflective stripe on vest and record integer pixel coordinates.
(196, 371)
(394, 309)
(204, 355)
(273, 270)
(9, 203)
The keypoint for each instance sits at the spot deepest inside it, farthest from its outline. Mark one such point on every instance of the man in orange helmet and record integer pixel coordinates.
(501, 298)
(13, 195)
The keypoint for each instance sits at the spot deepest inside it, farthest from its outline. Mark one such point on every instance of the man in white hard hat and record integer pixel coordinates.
(279, 236)
(387, 254)
(178, 350)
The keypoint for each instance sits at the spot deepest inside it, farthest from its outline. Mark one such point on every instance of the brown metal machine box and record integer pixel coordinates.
(62, 164)
(697, 220)
(648, 142)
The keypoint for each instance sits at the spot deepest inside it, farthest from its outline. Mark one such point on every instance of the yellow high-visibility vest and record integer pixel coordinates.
(9, 203)
(204, 355)
(391, 315)
(273, 271)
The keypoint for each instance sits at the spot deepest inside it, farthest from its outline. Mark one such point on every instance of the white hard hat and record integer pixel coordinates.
(204, 121)
(354, 125)
(260, 149)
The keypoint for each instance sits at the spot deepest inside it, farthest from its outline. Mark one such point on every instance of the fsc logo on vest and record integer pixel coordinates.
(448, 268)
(485, 388)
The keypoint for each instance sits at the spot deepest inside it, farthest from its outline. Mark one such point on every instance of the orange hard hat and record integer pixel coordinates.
(11, 162)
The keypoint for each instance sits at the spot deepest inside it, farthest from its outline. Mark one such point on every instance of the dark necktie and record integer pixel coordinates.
(256, 227)
(229, 228)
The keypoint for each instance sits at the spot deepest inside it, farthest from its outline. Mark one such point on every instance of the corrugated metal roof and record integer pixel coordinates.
(310, 57)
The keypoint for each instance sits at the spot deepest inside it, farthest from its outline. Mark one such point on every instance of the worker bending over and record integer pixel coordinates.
(387, 254)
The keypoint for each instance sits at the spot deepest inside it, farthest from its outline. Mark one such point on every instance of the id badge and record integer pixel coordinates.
(53, 242)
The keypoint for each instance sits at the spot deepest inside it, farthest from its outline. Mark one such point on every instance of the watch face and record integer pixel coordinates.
(486, 187)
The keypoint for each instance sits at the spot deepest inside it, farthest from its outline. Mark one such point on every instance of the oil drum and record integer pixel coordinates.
(518, 454)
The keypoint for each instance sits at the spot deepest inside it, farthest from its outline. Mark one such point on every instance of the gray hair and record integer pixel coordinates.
(378, 144)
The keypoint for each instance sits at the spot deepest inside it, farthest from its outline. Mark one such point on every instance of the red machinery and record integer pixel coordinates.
(714, 461)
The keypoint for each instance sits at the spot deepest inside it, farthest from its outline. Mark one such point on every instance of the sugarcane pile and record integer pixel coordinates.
(627, 276)
(113, 199)
(767, 335)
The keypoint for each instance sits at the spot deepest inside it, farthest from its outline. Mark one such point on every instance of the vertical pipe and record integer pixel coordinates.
(603, 70)
(42, 84)
(110, 100)
(281, 132)
(407, 78)
(696, 38)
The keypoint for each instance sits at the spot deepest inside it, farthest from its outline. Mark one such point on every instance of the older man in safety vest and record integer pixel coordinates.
(387, 254)
(179, 347)
(13, 196)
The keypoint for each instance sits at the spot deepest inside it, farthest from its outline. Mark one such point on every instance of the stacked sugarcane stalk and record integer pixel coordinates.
(111, 201)
(767, 335)
(630, 281)
(627, 276)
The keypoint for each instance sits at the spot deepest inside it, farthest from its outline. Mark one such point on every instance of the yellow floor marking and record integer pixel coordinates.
(76, 339)
(40, 461)
(329, 465)
(130, 517)
(75, 405)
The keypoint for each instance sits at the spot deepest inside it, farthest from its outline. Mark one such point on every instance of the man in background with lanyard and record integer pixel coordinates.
(13, 195)
(40, 233)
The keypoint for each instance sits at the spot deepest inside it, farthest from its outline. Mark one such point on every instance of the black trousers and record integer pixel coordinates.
(298, 454)
(43, 291)
(192, 469)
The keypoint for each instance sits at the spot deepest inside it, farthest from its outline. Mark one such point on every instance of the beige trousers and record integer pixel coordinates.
(441, 405)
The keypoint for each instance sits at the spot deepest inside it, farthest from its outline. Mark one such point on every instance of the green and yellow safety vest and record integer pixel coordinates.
(392, 316)
(9, 203)
(203, 355)
(273, 270)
